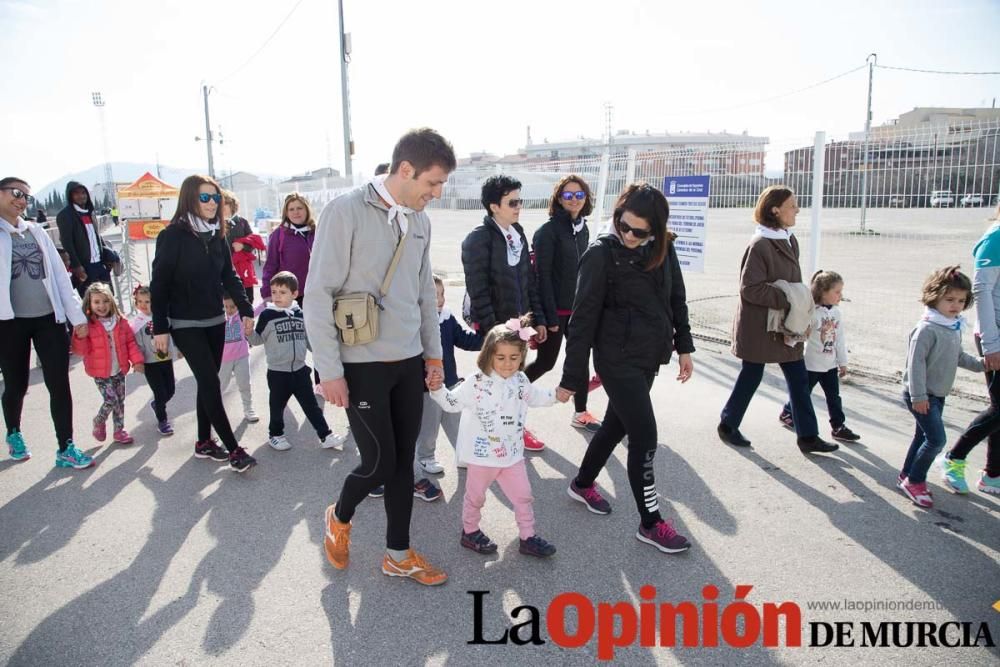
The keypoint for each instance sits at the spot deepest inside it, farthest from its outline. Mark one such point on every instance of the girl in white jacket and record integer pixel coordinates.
(494, 403)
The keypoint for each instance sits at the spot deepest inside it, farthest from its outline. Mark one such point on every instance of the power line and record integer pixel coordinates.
(262, 46)
(935, 71)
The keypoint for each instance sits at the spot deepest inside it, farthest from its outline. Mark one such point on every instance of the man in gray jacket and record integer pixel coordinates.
(380, 383)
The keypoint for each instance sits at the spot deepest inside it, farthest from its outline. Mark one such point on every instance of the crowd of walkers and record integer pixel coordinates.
(356, 288)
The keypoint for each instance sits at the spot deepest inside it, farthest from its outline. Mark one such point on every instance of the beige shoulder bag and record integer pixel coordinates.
(356, 314)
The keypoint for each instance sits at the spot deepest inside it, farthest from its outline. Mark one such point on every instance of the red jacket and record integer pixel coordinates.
(243, 260)
(96, 348)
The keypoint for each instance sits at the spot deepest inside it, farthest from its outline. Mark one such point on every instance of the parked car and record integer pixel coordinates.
(942, 198)
(971, 200)
(898, 201)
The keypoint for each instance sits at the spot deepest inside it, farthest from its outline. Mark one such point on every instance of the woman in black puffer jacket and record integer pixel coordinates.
(631, 309)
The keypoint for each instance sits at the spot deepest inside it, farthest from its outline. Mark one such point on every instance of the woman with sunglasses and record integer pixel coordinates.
(34, 308)
(558, 246)
(631, 311)
(289, 247)
(499, 280)
(191, 270)
(771, 255)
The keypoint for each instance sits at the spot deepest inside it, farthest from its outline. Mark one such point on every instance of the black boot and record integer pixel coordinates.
(732, 436)
(816, 444)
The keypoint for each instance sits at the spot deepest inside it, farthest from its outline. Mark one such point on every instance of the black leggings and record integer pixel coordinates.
(386, 404)
(630, 412)
(545, 360)
(52, 348)
(282, 385)
(202, 348)
(160, 378)
(986, 426)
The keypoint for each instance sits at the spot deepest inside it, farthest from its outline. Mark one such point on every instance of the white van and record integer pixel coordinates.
(940, 198)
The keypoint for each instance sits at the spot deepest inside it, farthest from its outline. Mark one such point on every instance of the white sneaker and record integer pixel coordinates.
(431, 466)
(251, 415)
(279, 442)
(333, 441)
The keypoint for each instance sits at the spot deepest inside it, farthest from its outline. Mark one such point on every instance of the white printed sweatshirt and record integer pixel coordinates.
(491, 432)
(826, 347)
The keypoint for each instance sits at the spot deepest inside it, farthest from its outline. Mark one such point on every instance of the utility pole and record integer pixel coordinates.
(109, 181)
(208, 134)
(872, 60)
(345, 57)
(609, 115)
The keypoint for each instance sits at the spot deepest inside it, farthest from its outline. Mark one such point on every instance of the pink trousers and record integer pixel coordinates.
(513, 482)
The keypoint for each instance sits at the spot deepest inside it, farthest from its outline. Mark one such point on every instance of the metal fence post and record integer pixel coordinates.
(819, 159)
(630, 167)
(602, 185)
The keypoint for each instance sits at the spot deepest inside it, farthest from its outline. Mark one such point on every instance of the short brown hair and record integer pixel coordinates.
(822, 282)
(187, 202)
(773, 196)
(423, 148)
(501, 333)
(229, 199)
(290, 199)
(555, 203)
(285, 279)
(942, 280)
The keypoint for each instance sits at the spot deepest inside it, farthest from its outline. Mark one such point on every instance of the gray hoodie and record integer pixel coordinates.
(352, 251)
(933, 356)
(283, 335)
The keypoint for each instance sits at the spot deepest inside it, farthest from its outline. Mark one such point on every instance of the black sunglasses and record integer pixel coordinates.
(204, 198)
(579, 195)
(624, 229)
(515, 203)
(19, 193)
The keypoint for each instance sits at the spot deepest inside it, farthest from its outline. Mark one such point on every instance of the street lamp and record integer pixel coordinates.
(109, 182)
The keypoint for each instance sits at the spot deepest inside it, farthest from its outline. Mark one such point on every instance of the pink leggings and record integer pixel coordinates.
(513, 482)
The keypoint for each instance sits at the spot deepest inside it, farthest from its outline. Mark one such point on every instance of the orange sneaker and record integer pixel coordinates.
(415, 567)
(338, 540)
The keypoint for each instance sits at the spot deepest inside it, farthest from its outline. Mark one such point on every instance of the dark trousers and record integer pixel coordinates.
(160, 378)
(928, 439)
(202, 349)
(797, 379)
(545, 360)
(986, 426)
(630, 412)
(52, 347)
(249, 290)
(282, 386)
(386, 405)
(830, 382)
(96, 273)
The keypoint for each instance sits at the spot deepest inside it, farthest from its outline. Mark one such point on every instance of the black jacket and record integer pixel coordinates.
(73, 233)
(632, 318)
(557, 259)
(237, 228)
(190, 276)
(497, 291)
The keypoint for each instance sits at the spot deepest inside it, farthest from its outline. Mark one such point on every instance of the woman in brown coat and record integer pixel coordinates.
(772, 254)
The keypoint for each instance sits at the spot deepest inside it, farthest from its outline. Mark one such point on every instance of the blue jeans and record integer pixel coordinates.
(746, 385)
(830, 382)
(928, 439)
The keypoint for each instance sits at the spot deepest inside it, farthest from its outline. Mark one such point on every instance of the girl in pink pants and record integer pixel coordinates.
(494, 403)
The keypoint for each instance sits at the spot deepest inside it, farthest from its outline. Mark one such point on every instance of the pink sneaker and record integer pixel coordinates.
(122, 437)
(918, 493)
(100, 432)
(531, 443)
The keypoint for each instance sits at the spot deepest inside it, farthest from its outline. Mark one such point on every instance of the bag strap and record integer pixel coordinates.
(384, 289)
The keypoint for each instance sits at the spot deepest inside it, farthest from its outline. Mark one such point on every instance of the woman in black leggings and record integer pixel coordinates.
(631, 310)
(191, 268)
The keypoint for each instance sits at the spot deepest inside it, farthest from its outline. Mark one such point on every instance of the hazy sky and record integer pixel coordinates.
(479, 72)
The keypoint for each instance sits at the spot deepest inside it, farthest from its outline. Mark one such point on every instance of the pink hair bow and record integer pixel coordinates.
(524, 333)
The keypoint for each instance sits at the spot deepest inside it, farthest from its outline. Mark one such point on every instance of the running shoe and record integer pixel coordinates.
(989, 484)
(71, 457)
(537, 547)
(585, 421)
(414, 567)
(663, 536)
(953, 475)
(590, 497)
(426, 491)
(240, 461)
(478, 542)
(210, 449)
(337, 542)
(16, 448)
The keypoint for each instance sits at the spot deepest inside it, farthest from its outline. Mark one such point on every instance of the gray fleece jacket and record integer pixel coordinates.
(352, 251)
(933, 357)
(283, 335)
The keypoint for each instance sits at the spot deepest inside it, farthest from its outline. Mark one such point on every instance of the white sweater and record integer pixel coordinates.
(827, 345)
(491, 432)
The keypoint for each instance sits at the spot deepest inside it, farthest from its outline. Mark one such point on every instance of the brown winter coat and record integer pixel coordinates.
(765, 261)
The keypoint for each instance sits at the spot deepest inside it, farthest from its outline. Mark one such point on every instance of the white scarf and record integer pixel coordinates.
(108, 322)
(577, 226)
(515, 244)
(302, 230)
(774, 234)
(443, 315)
(201, 224)
(396, 211)
(11, 229)
(290, 311)
(933, 316)
(81, 210)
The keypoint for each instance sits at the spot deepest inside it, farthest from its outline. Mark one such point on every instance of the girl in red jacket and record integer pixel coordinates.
(109, 350)
(243, 259)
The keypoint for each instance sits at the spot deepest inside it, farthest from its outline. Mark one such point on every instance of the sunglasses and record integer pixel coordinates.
(19, 194)
(204, 198)
(569, 196)
(624, 229)
(515, 203)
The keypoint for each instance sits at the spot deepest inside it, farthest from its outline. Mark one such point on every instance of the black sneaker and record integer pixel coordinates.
(786, 420)
(478, 542)
(210, 449)
(845, 434)
(732, 436)
(536, 546)
(240, 461)
(377, 492)
(817, 445)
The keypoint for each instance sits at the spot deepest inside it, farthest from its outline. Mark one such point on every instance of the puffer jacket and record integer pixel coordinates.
(95, 348)
(631, 318)
(497, 291)
(557, 259)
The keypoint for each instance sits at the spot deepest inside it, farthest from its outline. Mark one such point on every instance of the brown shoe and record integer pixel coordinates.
(338, 540)
(415, 567)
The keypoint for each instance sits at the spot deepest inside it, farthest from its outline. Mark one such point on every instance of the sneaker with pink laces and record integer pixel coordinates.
(663, 536)
(918, 493)
(122, 437)
(100, 431)
(590, 497)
